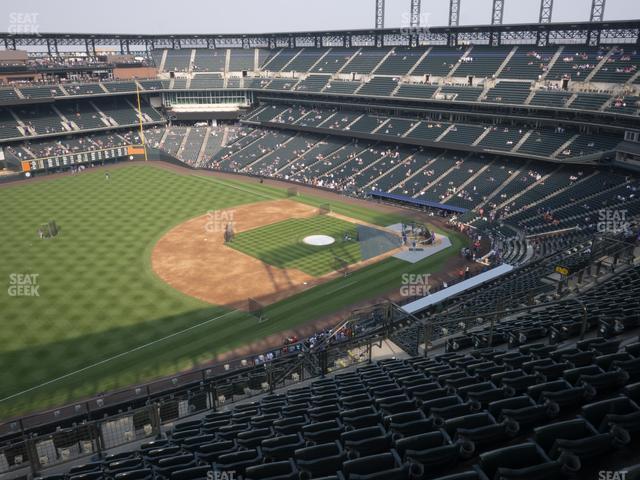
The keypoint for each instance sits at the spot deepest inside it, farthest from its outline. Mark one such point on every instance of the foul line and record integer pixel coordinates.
(107, 360)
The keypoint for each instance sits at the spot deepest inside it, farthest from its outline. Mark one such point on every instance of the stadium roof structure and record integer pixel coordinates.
(587, 33)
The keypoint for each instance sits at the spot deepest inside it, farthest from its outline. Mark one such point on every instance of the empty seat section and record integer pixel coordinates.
(305, 60)
(378, 86)
(206, 81)
(400, 61)
(439, 61)
(508, 92)
(241, 59)
(334, 60)
(279, 61)
(177, 60)
(209, 60)
(342, 87)
(458, 94)
(415, 90)
(365, 60)
(313, 83)
(482, 61)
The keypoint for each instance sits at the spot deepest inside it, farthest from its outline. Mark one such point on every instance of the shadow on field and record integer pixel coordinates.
(118, 357)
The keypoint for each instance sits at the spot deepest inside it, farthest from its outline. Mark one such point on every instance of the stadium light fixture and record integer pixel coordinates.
(415, 14)
(546, 11)
(497, 12)
(454, 13)
(379, 14)
(597, 10)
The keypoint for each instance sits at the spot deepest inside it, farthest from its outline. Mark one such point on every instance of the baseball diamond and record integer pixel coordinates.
(174, 268)
(320, 247)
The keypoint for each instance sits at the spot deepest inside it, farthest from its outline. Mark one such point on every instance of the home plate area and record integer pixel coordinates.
(422, 251)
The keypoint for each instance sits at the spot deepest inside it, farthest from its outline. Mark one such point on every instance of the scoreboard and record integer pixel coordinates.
(83, 158)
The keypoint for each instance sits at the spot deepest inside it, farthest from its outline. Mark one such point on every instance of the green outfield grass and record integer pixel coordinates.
(281, 245)
(102, 319)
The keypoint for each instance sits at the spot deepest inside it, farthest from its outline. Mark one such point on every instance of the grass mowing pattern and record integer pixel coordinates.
(281, 245)
(97, 294)
(100, 300)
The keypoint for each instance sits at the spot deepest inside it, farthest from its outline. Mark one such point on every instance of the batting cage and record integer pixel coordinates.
(292, 192)
(324, 209)
(416, 236)
(256, 309)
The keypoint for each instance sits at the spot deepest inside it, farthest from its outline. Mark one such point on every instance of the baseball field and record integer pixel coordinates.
(111, 301)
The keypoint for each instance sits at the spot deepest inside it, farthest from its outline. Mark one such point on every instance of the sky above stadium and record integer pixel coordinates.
(256, 16)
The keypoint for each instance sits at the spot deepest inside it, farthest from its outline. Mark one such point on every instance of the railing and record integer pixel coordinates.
(36, 442)
(458, 317)
(24, 453)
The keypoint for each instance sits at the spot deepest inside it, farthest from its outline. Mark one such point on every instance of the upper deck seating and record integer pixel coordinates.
(378, 86)
(509, 92)
(280, 59)
(41, 92)
(241, 59)
(334, 60)
(415, 90)
(528, 62)
(207, 80)
(313, 83)
(305, 60)
(439, 61)
(400, 61)
(576, 62)
(342, 87)
(209, 60)
(177, 60)
(365, 60)
(482, 61)
(458, 93)
(620, 67)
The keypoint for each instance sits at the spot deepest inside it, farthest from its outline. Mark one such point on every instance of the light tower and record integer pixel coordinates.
(546, 10)
(454, 13)
(379, 14)
(497, 12)
(597, 10)
(415, 14)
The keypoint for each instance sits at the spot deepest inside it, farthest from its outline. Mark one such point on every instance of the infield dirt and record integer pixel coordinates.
(193, 258)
